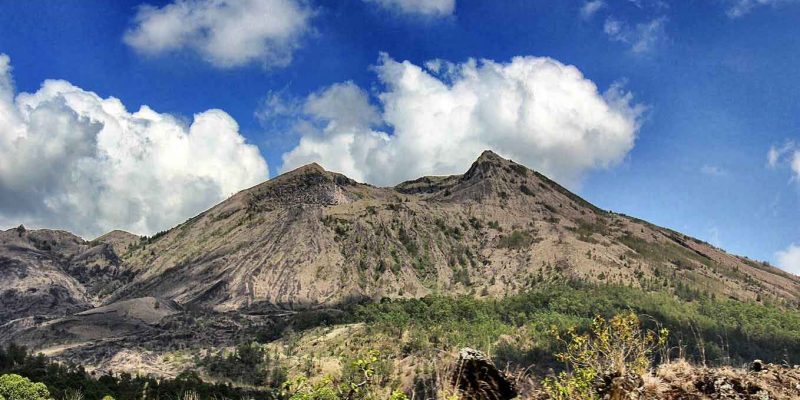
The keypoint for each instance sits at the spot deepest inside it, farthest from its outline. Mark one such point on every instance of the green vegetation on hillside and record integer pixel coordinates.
(517, 331)
(705, 330)
(248, 364)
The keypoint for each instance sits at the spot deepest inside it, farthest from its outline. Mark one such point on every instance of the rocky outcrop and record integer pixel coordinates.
(618, 386)
(761, 381)
(477, 378)
(309, 184)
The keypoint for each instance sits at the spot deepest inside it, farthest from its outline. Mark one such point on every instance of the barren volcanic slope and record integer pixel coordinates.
(49, 273)
(312, 237)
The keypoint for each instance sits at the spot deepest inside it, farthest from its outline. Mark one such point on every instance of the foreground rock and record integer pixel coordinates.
(619, 387)
(477, 378)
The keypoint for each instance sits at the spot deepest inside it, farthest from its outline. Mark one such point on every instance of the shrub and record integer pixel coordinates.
(617, 346)
(526, 190)
(190, 395)
(578, 385)
(360, 380)
(301, 389)
(73, 394)
(15, 387)
(516, 240)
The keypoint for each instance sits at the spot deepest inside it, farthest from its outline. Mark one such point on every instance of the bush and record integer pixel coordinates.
(73, 395)
(15, 387)
(526, 190)
(516, 240)
(362, 378)
(614, 347)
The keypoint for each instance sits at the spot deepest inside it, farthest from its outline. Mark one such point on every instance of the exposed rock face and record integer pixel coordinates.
(476, 377)
(309, 184)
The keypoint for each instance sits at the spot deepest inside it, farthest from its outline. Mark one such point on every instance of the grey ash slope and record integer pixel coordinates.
(47, 273)
(311, 237)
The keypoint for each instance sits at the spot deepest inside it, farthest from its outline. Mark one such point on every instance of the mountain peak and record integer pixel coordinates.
(307, 184)
(119, 240)
(488, 155)
(117, 234)
(490, 164)
(310, 168)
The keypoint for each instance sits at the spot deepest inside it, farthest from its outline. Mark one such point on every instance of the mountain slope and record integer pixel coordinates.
(312, 237)
(48, 273)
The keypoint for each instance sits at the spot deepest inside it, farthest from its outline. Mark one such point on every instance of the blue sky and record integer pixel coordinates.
(714, 85)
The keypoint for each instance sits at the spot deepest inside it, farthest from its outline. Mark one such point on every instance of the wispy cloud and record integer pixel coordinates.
(713, 170)
(738, 8)
(642, 37)
(425, 8)
(714, 237)
(775, 154)
(590, 8)
(787, 154)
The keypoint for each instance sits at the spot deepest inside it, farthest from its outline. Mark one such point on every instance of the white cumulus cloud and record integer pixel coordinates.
(226, 33)
(73, 160)
(534, 110)
(789, 259)
(430, 8)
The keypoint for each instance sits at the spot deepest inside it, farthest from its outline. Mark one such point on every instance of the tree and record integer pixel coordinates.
(15, 387)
